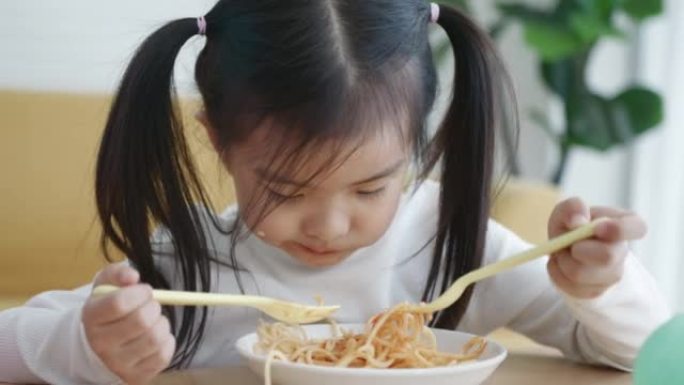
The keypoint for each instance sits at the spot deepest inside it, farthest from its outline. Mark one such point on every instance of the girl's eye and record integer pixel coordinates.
(279, 197)
(371, 193)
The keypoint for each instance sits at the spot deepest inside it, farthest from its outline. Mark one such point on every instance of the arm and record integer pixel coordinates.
(608, 329)
(44, 341)
(71, 337)
(12, 367)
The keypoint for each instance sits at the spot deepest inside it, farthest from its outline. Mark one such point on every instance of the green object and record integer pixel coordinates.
(661, 358)
(564, 35)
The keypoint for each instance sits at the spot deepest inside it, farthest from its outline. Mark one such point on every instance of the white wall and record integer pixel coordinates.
(658, 182)
(83, 45)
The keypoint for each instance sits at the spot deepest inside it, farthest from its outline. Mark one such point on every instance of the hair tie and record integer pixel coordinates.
(434, 12)
(201, 26)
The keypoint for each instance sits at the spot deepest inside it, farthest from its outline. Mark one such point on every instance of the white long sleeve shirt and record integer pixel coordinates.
(43, 341)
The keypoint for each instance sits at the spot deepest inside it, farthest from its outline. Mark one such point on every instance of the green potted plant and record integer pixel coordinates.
(563, 38)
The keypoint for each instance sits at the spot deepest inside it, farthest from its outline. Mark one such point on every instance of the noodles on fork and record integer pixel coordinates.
(396, 338)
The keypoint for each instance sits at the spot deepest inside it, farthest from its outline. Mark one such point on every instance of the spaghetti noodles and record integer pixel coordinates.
(396, 338)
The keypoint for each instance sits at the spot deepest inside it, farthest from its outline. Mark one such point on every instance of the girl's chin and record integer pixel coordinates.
(325, 261)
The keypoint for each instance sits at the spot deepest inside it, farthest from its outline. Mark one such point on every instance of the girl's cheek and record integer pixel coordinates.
(376, 218)
(277, 227)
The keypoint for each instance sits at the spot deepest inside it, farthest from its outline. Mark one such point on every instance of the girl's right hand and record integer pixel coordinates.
(126, 329)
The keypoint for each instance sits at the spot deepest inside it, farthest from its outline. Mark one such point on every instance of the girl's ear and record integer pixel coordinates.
(201, 117)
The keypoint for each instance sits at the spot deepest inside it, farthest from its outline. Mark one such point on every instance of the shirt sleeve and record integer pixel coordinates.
(44, 342)
(607, 330)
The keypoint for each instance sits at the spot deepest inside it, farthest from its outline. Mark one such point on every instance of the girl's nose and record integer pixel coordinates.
(327, 224)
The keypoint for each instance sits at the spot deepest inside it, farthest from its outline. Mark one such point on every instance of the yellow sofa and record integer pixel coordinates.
(50, 232)
(48, 144)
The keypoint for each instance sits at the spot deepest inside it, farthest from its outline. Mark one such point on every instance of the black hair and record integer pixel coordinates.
(348, 63)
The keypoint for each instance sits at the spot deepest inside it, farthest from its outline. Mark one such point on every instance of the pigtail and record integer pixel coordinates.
(145, 176)
(464, 143)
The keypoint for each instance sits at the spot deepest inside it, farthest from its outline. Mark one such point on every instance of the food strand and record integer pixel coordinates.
(394, 339)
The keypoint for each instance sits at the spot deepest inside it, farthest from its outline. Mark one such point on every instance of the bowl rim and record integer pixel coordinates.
(500, 354)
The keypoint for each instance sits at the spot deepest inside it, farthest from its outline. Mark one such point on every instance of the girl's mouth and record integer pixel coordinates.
(317, 251)
(315, 257)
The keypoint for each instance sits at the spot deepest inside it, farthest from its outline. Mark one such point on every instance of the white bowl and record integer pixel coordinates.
(467, 373)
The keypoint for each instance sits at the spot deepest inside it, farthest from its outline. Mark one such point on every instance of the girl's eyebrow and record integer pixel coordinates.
(391, 170)
(279, 179)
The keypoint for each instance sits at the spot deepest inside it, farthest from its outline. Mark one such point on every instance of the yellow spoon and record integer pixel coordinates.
(289, 312)
(453, 293)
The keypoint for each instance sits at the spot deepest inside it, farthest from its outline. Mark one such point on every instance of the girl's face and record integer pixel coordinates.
(322, 222)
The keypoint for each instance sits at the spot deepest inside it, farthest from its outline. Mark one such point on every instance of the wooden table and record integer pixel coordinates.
(527, 364)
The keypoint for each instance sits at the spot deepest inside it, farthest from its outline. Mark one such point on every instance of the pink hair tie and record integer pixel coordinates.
(201, 26)
(434, 12)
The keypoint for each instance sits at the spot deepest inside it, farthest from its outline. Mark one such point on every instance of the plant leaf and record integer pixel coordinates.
(589, 123)
(642, 9)
(565, 77)
(552, 41)
(522, 13)
(600, 123)
(588, 26)
(551, 33)
(643, 108)
(603, 9)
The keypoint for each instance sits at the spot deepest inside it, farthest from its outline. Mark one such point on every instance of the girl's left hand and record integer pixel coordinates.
(589, 267)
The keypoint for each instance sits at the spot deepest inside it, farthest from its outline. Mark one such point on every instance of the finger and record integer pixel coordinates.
(563, 253)
(127, 277)
(137, 323)
(581, 274)
(159, 359)
(609, 212)
(567, 215)
(117, 305)
(119, 274)
(596, 253)
(625, 228)
(147, 343)
(569, 287)
(120, 332)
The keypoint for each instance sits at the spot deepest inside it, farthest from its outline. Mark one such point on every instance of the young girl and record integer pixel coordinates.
(318, 110)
